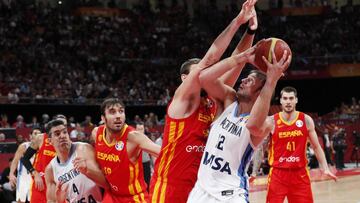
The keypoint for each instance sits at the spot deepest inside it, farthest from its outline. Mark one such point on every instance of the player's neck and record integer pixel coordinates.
(63, 155)
(110, 135)
(288, 116)
(244, 107)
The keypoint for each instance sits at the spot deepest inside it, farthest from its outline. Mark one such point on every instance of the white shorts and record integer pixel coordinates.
(199, 195)
(23, 185)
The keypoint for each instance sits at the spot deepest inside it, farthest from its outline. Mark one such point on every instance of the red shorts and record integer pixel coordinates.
(37, 196)
(161, 193)
(291, 183)
(112, 198)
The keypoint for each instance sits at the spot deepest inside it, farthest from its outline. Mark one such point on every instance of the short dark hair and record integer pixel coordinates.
(110, 102)
(35, 128)
(51, 124)
(288, 89)
(185, 67)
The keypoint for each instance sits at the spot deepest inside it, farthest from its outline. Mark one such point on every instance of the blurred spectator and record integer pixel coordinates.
(310, 154)
(19, 122)
(34, 123)
(3, 146)
(7, 193)
(137, 119)
(80, 59)
(71, 122)
(355, 152)
(4, 121)
(87, 123)
(13, 98)
(45, 119)
(327, 146)
(19, 139)
(2, 137)
(339, 146)
(77, 132)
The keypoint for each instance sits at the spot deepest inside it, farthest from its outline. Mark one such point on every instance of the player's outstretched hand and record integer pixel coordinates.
(61, 191)
(331, 175)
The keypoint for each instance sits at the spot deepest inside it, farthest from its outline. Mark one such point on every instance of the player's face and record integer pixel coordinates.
(60, 138)
(288, 101)
(34, 133)
(114, 118)
(249, 87)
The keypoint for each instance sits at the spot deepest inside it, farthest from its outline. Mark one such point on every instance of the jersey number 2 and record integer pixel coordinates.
(220, 142)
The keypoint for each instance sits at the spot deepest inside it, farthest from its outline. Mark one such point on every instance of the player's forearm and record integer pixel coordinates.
(217, 70)
(94, 173)
(320, 156)
(26, 159)
(230, 77)
(13, 165)
(259, 111)
(220, 44)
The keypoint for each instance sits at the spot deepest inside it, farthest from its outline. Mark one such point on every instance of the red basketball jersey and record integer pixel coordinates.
(125, 178)
(182, 148)
(288, 142)
(43, 157)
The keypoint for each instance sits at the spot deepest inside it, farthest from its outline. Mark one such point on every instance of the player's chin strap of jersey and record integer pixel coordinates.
(26, 159)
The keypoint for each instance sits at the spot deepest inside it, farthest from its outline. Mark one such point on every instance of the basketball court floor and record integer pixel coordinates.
(345, 190)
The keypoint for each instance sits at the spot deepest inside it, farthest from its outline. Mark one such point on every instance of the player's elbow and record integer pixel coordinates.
(254, 129)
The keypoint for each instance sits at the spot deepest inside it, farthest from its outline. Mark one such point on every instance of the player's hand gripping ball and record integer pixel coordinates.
(264, 49)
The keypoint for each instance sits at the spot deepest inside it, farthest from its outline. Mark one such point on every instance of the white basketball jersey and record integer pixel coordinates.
(227, 154)
(81, 188)
(24, 179)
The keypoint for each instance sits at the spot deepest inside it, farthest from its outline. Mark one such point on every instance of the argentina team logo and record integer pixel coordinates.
(119, 145)
(299, 123)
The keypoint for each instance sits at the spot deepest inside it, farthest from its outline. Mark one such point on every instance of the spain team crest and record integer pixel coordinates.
(119, 145)
(299, 123)
(278, 121)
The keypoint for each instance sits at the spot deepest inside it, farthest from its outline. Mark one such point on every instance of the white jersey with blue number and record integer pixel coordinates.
(227, 154)
(80, 187)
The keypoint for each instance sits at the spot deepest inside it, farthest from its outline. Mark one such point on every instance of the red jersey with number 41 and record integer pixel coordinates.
(125, 178)
(287, 147)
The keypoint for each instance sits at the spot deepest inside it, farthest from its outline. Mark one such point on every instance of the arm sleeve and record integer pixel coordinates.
(26, 159)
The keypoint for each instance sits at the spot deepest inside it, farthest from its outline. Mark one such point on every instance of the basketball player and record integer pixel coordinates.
(64, 180)
(23, 179)
(288, 176)
(118, 150)
(189, 115)
(146, 159)
(45, 152)
(239, 128)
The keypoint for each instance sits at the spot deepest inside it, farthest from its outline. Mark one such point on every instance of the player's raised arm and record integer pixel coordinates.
(258, 124)
(246, 42)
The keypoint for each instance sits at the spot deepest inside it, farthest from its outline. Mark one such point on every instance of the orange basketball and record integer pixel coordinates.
(264, 49)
